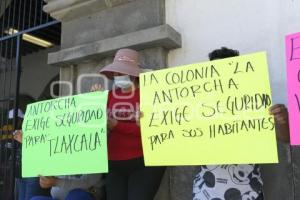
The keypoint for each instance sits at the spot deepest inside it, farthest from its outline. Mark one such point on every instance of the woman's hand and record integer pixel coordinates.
(111, 123)
(138, 116)
(18, 135)
(280, 113)
(97, 87)
(48, 181)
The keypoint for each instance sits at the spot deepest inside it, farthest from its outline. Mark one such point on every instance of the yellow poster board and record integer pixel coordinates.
(208, 113)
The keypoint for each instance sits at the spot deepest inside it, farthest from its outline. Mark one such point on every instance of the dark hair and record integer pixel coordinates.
(224, 52)
(24, 100)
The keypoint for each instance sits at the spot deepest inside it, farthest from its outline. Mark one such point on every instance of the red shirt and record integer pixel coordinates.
(124, 141)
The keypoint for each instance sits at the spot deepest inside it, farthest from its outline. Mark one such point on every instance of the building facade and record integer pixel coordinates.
(169, 33)
(175, 32)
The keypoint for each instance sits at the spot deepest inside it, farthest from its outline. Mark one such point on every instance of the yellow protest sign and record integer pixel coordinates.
(208, 113)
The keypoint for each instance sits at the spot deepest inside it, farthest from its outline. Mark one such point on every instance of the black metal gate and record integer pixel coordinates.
(23, 24)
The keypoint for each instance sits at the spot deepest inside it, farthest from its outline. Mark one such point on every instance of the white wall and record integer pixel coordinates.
(249, 26)
(36, 73)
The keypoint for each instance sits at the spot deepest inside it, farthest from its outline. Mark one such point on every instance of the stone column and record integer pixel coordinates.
(93, 30)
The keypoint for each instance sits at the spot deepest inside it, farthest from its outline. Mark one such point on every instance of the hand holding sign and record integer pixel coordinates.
(280, 113)
(18, 135)
(138, 116)
(111, 123)
(281, 121)
(97, 87)
(48, 182)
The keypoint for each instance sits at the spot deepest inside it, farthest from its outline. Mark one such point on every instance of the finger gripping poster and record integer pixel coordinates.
(65, 136)
(209, 113)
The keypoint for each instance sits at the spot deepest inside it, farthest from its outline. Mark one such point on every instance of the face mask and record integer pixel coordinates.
(122, 82)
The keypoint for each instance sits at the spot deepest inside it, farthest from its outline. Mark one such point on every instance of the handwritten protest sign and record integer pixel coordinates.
(293, 77)
(208, 113)
(65, 136)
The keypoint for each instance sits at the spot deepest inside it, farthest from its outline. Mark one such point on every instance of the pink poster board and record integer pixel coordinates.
(293, 79)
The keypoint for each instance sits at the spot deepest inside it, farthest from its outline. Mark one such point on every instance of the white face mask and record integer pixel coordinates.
(122, 82)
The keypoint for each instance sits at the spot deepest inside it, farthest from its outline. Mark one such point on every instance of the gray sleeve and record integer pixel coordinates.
(83, 182)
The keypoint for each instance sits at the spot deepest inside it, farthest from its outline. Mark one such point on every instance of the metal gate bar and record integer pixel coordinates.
(17, 17)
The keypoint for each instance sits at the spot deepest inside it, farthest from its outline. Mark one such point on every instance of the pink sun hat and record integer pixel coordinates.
(125, 62)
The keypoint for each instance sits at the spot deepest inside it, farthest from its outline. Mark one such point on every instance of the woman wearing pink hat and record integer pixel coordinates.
(128, 178)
